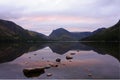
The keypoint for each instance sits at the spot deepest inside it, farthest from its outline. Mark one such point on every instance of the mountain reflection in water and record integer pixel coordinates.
(9, 52)
(86, 57)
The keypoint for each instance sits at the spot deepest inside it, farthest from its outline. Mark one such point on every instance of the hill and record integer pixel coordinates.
(64, 35)
(9, 31)
(108, 34)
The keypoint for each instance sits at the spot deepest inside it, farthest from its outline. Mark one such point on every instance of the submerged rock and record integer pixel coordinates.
(35, 54)
(69, 57)
(90, 74)
(33, 72)
(49, 74)
(53, 65)
(47, 67)
(26, 62)
(70, 61)
(78, 50)
(72, 53)
(48, 61)
(58, 60)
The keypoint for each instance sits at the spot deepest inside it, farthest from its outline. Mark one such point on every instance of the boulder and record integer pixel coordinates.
(33, 72)
(69, 57)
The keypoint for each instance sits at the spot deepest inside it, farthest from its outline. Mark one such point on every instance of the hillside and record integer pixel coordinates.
(109, 34)
(64, 35)
(9, 31)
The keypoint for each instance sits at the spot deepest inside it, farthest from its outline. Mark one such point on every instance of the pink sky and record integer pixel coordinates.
(75, 15)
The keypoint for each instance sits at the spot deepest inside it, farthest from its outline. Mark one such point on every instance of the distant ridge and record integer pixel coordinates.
(11, 32)
(62, 34)
(109, 34)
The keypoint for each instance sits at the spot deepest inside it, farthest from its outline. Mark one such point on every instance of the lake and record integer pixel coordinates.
(88, 60)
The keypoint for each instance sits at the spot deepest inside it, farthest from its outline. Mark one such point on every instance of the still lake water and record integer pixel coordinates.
(90, 60)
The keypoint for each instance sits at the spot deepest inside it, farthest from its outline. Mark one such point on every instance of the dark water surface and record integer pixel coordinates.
(90, 60)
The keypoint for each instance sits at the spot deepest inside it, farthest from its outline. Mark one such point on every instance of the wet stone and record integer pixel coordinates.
(53, 65)
(58, 60)
(26, 62)
(33, 72)
(35, 54)
(49, 74)
(90, 74)
(47, 67)
(48, 61)
(69, 57)
(72, 53)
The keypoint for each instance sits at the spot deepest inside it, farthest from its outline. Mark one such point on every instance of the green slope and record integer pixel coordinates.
(109, 34)
(9, 31)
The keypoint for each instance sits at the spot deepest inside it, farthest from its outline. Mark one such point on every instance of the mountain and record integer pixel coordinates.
(80, 35)
(9, 31)
(38, 36)
(64, 35)
(108, 34)
(60, 34)
(98, 30)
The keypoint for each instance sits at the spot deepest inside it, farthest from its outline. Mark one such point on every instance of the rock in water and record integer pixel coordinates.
(47, 67)
(69, 57)
(33, 72)
(53, 65)
(58, 60)
(49, 74)
(35, 54)
(90, 74)
(72, 53)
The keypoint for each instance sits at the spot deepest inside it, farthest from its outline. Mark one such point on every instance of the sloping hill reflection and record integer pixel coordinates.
(63, 47)
(110, 48)
(9, 52)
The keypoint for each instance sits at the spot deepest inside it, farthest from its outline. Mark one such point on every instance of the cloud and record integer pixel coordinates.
(51, 14)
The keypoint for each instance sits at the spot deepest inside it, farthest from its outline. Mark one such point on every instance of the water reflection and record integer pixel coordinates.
(63, 47)
(105, 48)
(59, 60)
(9, 52)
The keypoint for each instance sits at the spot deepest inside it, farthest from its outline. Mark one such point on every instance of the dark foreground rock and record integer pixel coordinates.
(33, 72)
(58, 60)
(68, 57)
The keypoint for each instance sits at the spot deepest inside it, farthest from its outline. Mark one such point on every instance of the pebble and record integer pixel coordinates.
(35, 54)
(49, 74)
(72, 53)
(69, 57)
(58, 60)
(47, 67)
(26, 62)
(53, 65)
(89, 74)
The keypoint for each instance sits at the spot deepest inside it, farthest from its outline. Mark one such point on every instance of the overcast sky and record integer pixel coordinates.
(75, 15)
